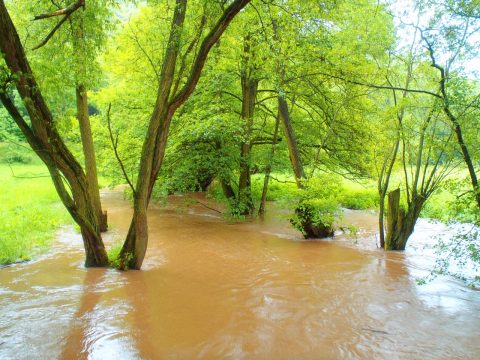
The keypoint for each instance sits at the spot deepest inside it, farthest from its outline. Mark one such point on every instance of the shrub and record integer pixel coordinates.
(315, 218)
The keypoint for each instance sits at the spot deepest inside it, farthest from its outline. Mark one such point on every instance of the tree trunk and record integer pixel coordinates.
(227, 189)
(383, 183)
(268, 170)
(89, 154)
(381, 220)
(393, 210)
(292, 144)
(95, 254)
(401, 223)
(249, 96)
(465, 153)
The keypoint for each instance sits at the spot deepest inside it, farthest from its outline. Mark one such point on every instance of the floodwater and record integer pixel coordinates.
(212, 290)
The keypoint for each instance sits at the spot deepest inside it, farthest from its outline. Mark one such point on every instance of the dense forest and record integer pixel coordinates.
(317, 105)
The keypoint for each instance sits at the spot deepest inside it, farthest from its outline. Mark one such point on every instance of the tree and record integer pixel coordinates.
(426, 160)
(169, 98)
(42, 135)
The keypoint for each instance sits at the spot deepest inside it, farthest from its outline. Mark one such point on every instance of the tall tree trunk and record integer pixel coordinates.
(44, 139)
(89, 154)
(292, 144)
(383, 183)
(81, 70)
(249, 95)
(268, 170)
(454, 120)
(284, 113)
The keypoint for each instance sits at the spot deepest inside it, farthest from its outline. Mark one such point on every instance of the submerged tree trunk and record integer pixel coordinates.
(44, 139)
(383, 183)
(89, 154)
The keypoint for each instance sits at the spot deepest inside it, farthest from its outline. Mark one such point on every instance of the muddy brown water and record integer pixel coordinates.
(211, 290)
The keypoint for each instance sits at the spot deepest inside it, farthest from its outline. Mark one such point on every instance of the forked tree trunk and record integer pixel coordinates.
(153, 150)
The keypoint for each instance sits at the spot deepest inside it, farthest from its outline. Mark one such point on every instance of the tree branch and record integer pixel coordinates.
(66, 12)
(114, 145)
(374, 86)
(207, 44)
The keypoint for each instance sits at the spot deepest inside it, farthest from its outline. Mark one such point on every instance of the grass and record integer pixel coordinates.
(30, 212)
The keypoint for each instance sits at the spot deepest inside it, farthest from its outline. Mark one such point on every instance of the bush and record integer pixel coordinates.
(315, 218)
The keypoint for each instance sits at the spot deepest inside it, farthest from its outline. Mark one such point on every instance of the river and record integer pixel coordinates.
(212, 290)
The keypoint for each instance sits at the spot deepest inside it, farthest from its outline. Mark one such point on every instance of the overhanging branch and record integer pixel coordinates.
(66, 12)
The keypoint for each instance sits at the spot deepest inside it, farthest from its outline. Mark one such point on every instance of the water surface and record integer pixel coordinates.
(244, 291)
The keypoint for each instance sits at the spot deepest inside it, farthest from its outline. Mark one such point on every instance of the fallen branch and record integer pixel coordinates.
(208, 207)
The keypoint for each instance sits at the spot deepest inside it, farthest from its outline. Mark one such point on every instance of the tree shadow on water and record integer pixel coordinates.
(78, 343)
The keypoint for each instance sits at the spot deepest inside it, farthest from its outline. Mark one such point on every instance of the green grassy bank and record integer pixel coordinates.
(30, 212)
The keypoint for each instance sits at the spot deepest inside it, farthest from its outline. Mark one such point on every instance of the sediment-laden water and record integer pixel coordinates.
(212, 290)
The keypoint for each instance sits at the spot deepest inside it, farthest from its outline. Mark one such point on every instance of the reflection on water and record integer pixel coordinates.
(244, 291)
